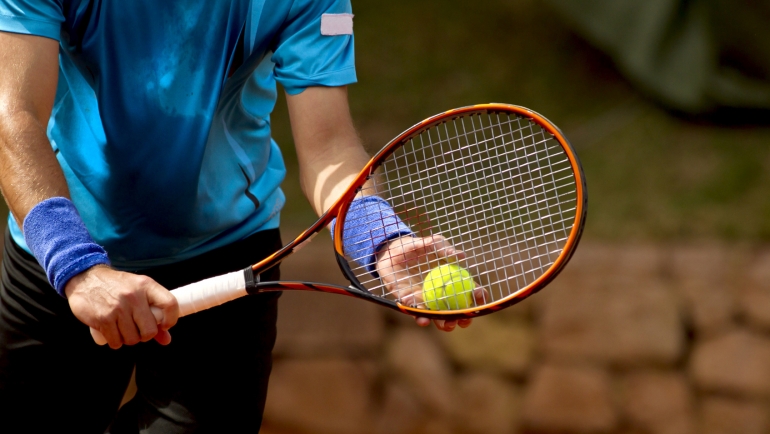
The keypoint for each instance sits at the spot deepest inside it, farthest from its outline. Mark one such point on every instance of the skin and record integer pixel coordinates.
(408, 253)
(118, 303)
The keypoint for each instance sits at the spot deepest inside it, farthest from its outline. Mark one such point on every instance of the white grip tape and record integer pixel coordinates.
(199, 296)
(211, 292)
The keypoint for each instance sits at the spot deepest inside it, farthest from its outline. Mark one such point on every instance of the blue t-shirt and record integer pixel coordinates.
(167, 157)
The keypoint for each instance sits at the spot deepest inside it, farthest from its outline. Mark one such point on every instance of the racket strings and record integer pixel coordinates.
(497, 233)
(408, 215)
(525, 198)
(410, 212)
(495, 186)
(538, 257)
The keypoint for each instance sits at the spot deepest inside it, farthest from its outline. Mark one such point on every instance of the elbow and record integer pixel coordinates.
(15, 119)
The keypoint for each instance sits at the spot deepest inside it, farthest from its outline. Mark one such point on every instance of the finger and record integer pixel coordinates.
(444, 325)
(448, 252)
(111, 334)
(146, 323)
(436, 244)
(437, 248)
(407, 299)
(97, 320)
(410, 295)
(465, 322)
(439, 323)
(444, 248)
(163, 299)
(128, 330)
(481, 295)
(163, 337)
(413, 251)
(422, 322)
(434, 240)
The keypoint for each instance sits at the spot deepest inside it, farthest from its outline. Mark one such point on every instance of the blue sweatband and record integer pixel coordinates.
(369, 224)
(60, 242)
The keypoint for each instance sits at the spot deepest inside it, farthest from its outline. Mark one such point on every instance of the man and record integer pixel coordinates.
(135, 156)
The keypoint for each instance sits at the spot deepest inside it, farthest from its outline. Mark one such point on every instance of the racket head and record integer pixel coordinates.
(499, 183)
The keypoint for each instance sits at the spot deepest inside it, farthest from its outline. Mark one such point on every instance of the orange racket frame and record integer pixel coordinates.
(340, 208)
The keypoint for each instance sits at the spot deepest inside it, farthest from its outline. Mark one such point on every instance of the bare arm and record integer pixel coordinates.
(330, 153)
(29, 172)
(111, 301)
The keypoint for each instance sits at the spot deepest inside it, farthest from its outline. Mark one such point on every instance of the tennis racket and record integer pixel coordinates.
(495, 189)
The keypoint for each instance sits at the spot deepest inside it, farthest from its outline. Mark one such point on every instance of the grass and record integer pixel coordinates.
(651, 176)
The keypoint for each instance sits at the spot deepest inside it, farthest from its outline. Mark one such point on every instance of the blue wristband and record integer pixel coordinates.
(369, 224)
(60, 242)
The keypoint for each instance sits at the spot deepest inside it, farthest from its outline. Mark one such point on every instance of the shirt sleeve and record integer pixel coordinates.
(304, 57)
(32, 17)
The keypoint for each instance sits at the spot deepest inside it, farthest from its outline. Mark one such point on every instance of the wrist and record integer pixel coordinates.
(59, 240)
(386, 246)
(370, 225)
(73, 284)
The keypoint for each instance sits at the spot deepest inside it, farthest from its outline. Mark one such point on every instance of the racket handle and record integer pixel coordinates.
(198, 296)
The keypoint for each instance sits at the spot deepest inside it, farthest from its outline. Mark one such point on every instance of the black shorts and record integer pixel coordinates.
(211, 378)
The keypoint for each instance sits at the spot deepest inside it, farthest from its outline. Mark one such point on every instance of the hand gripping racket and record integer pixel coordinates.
(498, 183)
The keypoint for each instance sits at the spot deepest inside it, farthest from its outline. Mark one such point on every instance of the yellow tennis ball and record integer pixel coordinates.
(448, 287)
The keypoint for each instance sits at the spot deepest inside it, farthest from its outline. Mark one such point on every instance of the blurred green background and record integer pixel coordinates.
(651, 176)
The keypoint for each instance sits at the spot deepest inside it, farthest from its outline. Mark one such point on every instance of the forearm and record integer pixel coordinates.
(29, 171)
(329, 151)
(326, 178)
(115, 303)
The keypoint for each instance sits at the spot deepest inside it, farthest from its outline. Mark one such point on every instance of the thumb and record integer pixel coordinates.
(163, 305)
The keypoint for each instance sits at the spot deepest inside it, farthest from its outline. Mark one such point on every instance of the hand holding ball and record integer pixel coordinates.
(448, 287)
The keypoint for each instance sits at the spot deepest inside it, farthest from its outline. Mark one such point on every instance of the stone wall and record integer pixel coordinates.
(629, 339)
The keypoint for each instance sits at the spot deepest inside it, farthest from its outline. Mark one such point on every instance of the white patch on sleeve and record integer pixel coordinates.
(336, 24)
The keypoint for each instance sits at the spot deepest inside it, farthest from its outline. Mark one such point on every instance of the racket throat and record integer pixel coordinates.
(252, 280)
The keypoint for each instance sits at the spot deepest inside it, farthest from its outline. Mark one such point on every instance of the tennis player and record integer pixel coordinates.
(135, 156)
